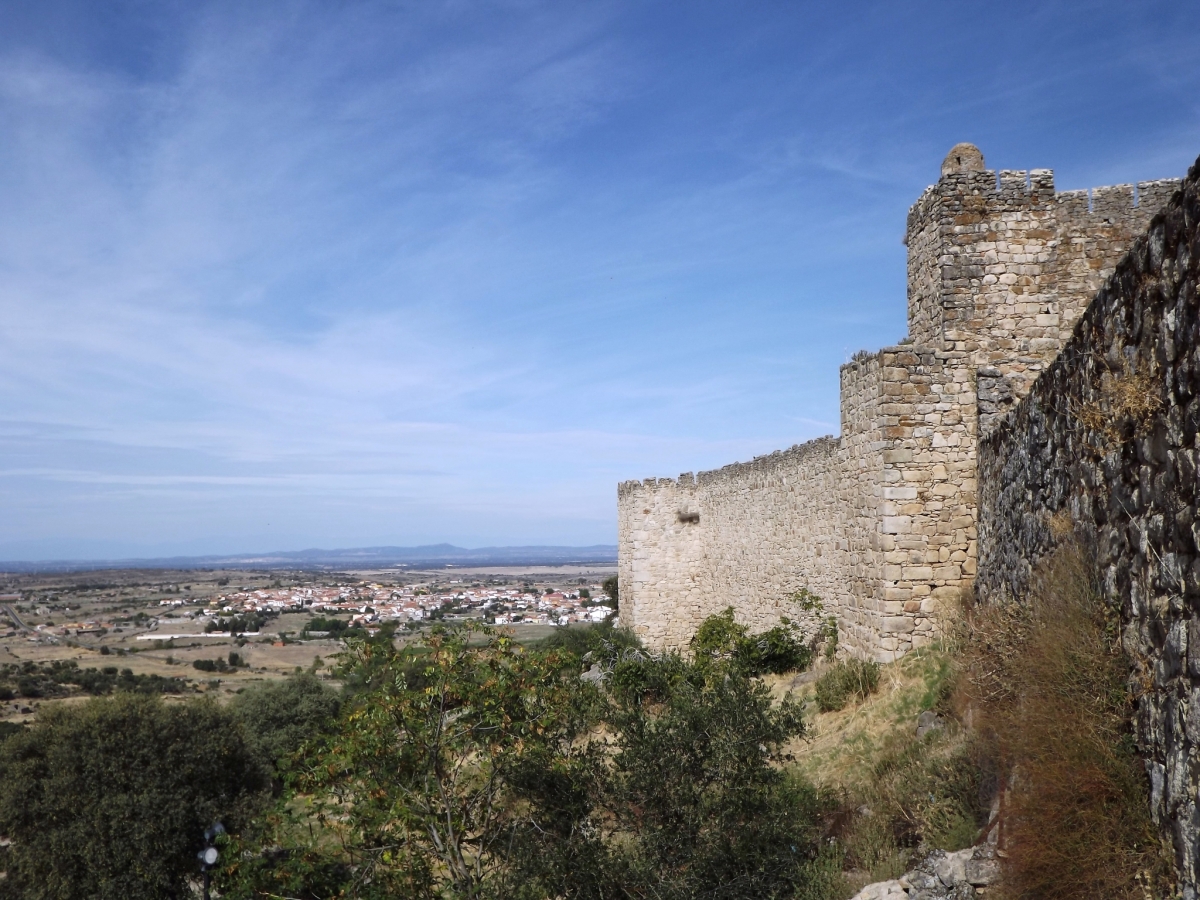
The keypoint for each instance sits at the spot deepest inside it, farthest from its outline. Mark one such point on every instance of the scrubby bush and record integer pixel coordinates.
(110, 799)
(922, 793)
(600, 642)
(280, 716)
(722, 639)
(848, 680)
(720, 819)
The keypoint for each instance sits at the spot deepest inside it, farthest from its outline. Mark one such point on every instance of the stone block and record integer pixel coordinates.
(896, 625)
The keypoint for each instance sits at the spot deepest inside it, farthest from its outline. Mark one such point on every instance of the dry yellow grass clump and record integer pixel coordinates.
(1047, 684)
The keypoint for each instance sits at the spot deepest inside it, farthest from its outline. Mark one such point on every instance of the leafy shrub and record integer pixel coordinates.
(595, 642)
(280, 716)
(718, 636)
(109, 799)
(846, 680)
(777, 650)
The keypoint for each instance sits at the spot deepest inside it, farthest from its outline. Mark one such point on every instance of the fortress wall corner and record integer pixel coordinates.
(909, 483)
(861, 464)
(659, 557)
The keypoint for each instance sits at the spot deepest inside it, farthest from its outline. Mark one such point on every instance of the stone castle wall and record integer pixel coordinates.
(881, 521)
(1106, 441)
(738, 536)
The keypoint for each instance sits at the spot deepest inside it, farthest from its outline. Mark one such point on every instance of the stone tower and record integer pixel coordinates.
(881, 521)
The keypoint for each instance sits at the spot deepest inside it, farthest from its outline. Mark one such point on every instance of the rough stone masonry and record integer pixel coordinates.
(882, 522)
(1105, 448)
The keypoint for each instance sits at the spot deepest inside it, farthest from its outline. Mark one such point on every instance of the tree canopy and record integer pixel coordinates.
(482, 769)
(280, 716)
(109, 799)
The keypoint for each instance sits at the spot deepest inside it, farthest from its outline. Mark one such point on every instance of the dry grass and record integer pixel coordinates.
(1045, 685)
(842, 748)
(1129, 399)
(893, 793)
(1035, 698)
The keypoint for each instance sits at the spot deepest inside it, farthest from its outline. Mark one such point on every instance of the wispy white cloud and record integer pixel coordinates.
(407, 272)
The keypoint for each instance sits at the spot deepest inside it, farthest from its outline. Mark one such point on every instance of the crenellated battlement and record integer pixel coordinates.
(1001, 265)
(881, 521)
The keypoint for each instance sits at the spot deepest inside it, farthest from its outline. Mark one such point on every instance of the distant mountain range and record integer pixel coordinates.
(357, 558)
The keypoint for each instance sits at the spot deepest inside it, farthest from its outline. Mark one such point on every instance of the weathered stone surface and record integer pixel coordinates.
(1105, 445)
(876, 521)
(939, 876)
(929, 721)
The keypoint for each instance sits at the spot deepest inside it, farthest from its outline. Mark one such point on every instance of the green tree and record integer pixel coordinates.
(721, 819)
(110, 799)
(484, 770)
(280, 716)
(425, 789)
(611, 587)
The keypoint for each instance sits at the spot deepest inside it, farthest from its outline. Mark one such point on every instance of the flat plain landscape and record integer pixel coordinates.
(148, 629)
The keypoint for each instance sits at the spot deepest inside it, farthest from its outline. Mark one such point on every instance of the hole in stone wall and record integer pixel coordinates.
(687, 518)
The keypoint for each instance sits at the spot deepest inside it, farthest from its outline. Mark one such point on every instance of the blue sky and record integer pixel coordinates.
(283, 275)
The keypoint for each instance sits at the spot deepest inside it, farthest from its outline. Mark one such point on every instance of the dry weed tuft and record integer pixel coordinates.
(1046, 682)
(1130, 398)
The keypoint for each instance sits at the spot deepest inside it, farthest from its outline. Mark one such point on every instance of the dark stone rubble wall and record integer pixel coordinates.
(1107, 440)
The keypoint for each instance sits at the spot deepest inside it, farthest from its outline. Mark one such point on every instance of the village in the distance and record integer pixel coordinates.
(178, 632)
